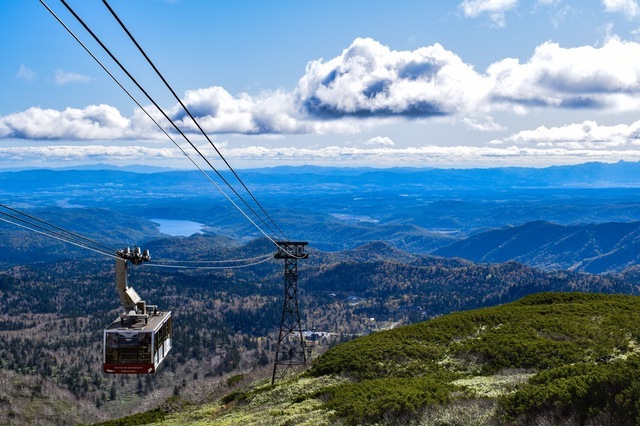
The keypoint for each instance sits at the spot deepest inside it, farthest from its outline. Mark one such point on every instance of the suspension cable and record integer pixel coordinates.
(78, 240)
(60, 238)
(214, 261)
(257, 262)
(78, 236)
(164, 114)
(207, 176)
(184, 107)
(59, 235)
(133, 79)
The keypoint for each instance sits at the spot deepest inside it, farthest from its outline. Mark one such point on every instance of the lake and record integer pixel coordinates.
(178, 228)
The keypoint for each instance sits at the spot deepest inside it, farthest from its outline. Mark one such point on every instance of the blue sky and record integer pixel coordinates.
(468, 83)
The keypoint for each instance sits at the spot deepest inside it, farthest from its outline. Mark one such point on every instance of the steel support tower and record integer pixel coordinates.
(290, 351)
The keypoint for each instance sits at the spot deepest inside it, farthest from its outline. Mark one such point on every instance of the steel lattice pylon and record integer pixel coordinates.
(290, 351)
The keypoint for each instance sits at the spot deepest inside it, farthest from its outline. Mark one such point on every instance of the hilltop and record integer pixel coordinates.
(593, 248)
(549, 358)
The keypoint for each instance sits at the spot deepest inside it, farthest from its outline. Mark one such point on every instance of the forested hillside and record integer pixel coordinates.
(369, 269)
(225, 322)
(594, 248)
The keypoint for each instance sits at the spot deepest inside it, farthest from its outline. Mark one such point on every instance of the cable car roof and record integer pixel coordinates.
(153, 323)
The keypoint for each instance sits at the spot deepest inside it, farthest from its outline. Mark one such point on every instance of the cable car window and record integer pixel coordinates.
(128, 348)
(144, 347)
(111, 353)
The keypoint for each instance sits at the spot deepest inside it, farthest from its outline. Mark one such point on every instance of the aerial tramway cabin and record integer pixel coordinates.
(137, 348)
(139, 340)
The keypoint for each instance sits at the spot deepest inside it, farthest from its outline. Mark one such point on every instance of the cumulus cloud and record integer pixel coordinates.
(370, 84)
(217, 111)
(385, 156)
(429, 155)
(277, 112)
(63, 77)
(585, 135)
(371, 80)
(74, 153)
(581, 77)
(25, 73)
(93, 122)
(495, 9)
(629, 8)
(380, 141)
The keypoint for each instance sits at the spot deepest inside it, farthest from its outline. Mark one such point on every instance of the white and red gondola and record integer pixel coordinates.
(139, 340)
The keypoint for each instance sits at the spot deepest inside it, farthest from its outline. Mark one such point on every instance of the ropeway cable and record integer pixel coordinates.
(104, 47)
(97, 39)
(77, 240)
(153, 120)
(214, 261)
(184, 107)
(155, 265)
(163, 113)
(65, 235)
(97, 244)
(158, 265)
(61, 238)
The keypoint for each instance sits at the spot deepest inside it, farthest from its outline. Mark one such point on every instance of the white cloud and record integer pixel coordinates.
(380, 141)
(63, 77)
(385, 156)
(573, 78)
(487, 124)
(586, 135)
(629, 8)
(428, 156)
(25, 73)
(369, 85)
(93, 122)
(217, 111)
(495, 9)
(56, 153)
(371, 80)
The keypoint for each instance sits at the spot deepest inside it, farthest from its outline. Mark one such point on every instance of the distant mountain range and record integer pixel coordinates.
(594, 248)
(415, 210)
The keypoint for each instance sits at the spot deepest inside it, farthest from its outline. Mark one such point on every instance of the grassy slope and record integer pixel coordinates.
(540, 356)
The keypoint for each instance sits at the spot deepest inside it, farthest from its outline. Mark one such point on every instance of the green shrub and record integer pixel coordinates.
(236, 395)
(576, 341)
(371, 401)
(585, 392)
(538, 332)
(234, 380)
(152, 416)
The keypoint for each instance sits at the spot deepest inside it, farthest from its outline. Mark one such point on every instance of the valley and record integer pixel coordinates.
(386, 249)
